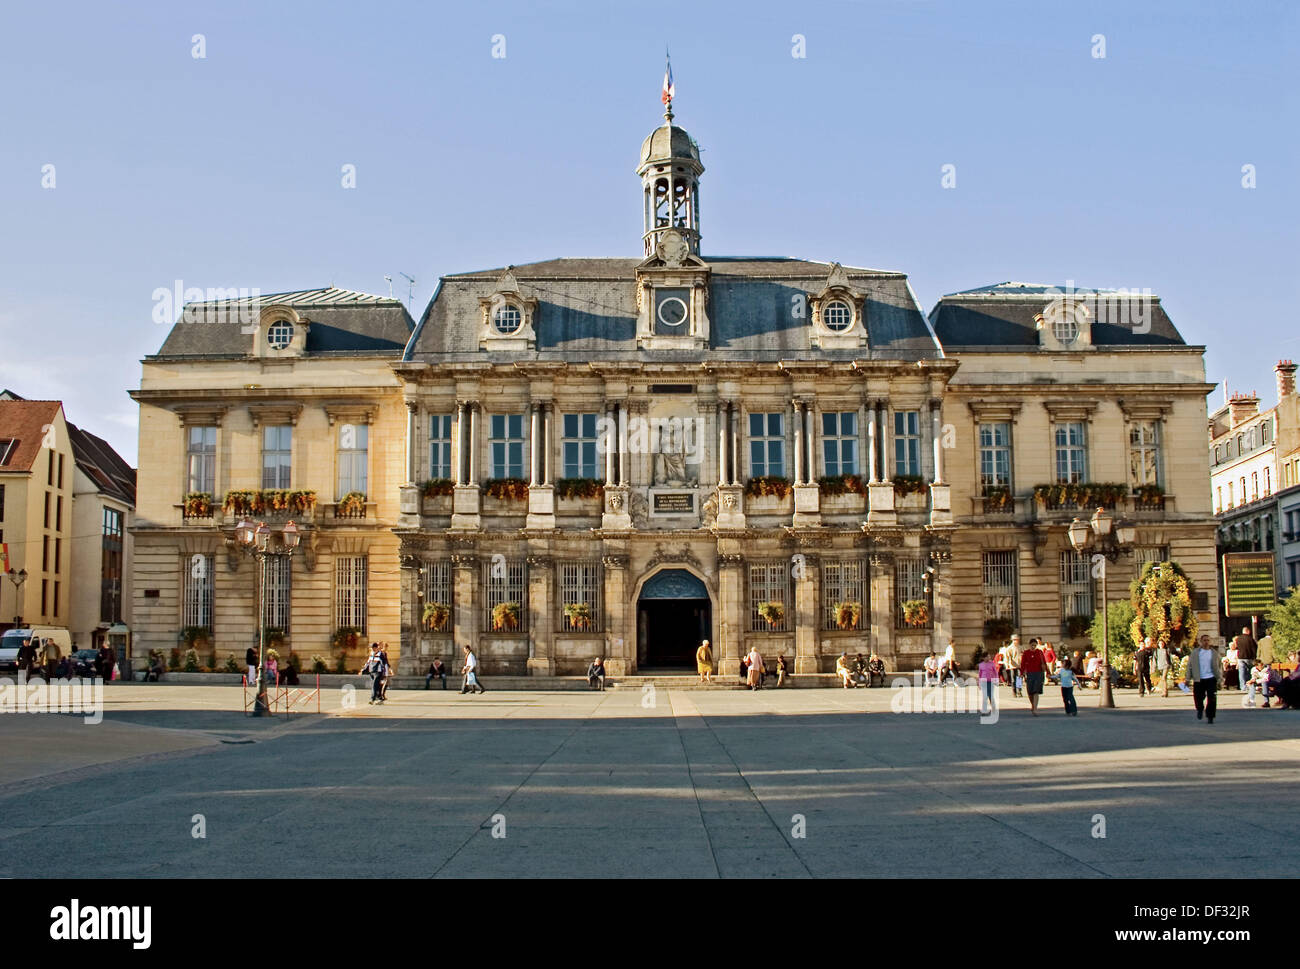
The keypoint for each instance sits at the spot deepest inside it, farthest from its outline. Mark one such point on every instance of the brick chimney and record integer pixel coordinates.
(1285, 371)
(1242, 407)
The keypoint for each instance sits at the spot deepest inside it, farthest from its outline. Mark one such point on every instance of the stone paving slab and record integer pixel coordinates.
(826, 783)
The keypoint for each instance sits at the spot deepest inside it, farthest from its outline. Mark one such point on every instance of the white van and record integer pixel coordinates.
(51, 642)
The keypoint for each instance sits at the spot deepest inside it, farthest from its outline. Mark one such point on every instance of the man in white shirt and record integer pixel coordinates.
(470, 669)
(1204, 670)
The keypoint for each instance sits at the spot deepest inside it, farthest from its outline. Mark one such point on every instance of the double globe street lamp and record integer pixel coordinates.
(18, 577)
(255, 540)
(1111, 539)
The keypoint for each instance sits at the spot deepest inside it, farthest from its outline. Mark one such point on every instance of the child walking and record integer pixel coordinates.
(988, 684)
(1067, 688)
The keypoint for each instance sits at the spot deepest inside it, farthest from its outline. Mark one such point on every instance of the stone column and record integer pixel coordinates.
(465, 605)
(548, 414)
(731, 614)
(807, 589)
(458, 441)
(886, 444)
(534, 446)
(872, 442)
(798, 444)
(610, 444)
(882, 608)
(722, 445)
(473, 443)
(412, 430)
(619, 618)
(541, 633)
(936, 433)
(737, 463)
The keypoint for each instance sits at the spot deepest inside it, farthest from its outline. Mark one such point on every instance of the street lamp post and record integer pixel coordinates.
(18, 577)
(255, 540)
(1110, 539)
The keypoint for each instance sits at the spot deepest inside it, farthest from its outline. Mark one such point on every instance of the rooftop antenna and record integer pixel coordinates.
(410, 288)
(390, 286)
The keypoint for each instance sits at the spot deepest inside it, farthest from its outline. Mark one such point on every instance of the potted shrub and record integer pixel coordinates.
(505, 616)
(1076, 626)
(998, 628)
(197, 504)
(772, 613)
(578, 614)
(318, 664)
(232, 666)
(847, 614)
(506, 489)
(916, 612)
(191, 664)
(435, 616)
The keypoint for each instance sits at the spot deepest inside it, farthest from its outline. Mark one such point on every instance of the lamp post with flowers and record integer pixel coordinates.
(1111, 539)
(255, 540)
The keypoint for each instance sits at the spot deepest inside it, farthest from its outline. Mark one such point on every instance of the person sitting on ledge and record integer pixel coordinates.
(436, 668)
(156, 669)
(875, 668)
(843, 671)
(931, 667)
(782, 670)
(596, 674)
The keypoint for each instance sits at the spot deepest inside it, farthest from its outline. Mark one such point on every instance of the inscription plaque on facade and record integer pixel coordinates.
(673, 503)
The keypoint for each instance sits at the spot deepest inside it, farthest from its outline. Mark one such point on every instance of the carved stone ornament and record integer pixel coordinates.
(615, 502)
(730, 502)
(638, 508)
(673, 249)
(614, 561)
(683, 554)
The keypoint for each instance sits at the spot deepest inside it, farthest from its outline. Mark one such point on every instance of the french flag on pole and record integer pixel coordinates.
(669, 90)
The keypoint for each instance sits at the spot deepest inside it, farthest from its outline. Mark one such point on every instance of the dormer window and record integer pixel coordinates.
(507, 319)
(1065, 329)
(280, 335)
(1064, 325)
(838, 315)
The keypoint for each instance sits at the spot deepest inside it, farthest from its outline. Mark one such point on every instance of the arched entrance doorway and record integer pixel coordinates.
(673, 613)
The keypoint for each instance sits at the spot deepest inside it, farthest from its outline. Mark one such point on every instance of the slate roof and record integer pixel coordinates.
(1003, 315)
(23, 422)
(587, 307)
(342, 321)
(104, 466)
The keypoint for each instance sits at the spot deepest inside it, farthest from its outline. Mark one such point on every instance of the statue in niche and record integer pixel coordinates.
(670, 458)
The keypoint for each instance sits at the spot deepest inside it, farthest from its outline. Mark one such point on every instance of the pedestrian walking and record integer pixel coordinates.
(704, 662)
(1067, 688)
(1142, 667)
(988, 673)
(1033, 669)
(471, 670)
(1204, 672)
(1164, 667)
(250, 660)
(1247, 652)
(375, 668)
(755, 669)
(1011, 658)
(388, 671)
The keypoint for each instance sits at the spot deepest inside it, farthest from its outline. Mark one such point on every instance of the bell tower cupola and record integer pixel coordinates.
(670, 172)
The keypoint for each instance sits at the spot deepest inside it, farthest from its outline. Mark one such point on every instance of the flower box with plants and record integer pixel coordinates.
(578, 615)
(916, 613)
(998, 500)
(580, 489)
(998, 628)
(437, 488)
(275, 638)
(286, 502)
(836, 485)
(351, 505)
(908, 484)
(1080, 495)
(506, 489)
(243, 502)
(505, 617)
(197, 504)
(768, 486)
(847, 614)
(435, 616)
(1149, 497)
(772, 613)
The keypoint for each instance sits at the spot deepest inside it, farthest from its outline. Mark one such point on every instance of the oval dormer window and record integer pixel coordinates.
(507, 319)
(1064, 328)
(838, 316)
(280, 335)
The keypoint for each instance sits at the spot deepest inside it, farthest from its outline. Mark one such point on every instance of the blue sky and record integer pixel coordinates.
(226, 171)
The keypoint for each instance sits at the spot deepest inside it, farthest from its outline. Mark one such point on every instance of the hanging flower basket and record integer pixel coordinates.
(436, 615)
(505, 617)
(847, 614)
(578, 614)
(773, 613)
(916, 612)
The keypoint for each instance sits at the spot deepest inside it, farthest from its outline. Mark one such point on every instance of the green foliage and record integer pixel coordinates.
(841, 484)
(342, 665)
(174, 663)
(191, 661)
(579, 488)
(318, 664)
(978, 655)
(908, 484)
(1120, 617)
(436, 487)
(1162, 599)
(232, 665)
(506, 489)
(1284, 623)
(1083, 494)
(768, 484)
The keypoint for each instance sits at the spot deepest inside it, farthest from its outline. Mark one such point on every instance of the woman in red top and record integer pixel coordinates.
(1032, 665)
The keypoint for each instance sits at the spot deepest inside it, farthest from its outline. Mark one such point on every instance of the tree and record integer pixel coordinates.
(1284, 623)
(1120, 616)
(1162, 599)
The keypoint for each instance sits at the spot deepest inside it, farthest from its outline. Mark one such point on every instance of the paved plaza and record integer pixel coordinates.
(790, 783)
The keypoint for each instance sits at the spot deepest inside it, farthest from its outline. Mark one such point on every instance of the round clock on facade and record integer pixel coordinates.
(672, 311)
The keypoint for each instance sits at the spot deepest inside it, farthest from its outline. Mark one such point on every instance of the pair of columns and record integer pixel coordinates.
(805, 447)
(615, 445)
(539, 444)
(468, 438)
(880, 459)
(468, 424)
(728, 442)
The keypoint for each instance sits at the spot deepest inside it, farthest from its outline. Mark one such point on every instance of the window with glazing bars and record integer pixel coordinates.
(840, 442)
(507, 582)
(196, 602)
(1076, 584)
(1071, 453)
(275, 605)
(844, 582)
(995, 456)
(350, 592)
(440, 446)
(1000, 584)
(580, 445)
(909, 585)
(770, 582)
(580, 582)
(907, 442)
